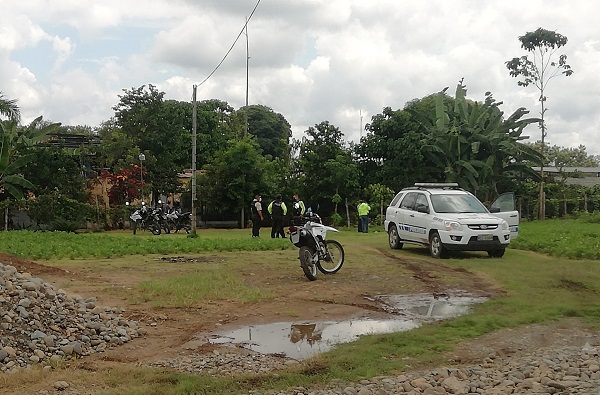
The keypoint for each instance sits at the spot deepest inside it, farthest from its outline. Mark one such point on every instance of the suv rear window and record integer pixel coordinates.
(396, 198)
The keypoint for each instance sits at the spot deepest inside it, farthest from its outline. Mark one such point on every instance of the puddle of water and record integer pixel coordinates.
(302, 340)
(425, 306)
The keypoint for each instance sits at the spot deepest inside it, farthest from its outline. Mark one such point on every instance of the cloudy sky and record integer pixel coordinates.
(310, 60)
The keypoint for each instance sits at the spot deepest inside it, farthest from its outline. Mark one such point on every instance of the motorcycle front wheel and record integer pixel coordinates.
(155, 229)
(306, 262)
(334, 257)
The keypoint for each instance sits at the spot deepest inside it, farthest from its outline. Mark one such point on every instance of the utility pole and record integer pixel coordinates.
(360, 113)
(247, 63)
(194, 126)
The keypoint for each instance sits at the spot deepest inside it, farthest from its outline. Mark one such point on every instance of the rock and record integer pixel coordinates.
(41, 323)
(61, 385)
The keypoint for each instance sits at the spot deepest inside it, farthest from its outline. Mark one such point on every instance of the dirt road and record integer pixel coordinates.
(346, 294)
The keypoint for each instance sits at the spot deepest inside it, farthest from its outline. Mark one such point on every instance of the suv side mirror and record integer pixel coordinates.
(421, 208)
(494, 209)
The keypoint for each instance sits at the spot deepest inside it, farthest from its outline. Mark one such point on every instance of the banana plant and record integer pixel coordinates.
(473, 143)
(11, 138)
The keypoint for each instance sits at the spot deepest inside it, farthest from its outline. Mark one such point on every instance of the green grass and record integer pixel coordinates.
(574, 239)
(59, 245)
(191, 289)
(561, 282)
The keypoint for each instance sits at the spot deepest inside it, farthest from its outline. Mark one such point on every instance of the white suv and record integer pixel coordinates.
(447, 218)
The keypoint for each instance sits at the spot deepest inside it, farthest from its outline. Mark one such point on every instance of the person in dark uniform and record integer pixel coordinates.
(298, 210)
(257, 215)
(278, 210)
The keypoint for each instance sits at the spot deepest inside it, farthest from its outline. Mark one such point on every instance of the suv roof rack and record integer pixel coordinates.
(435, 185)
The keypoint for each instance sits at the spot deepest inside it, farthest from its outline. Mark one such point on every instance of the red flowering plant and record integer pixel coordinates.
(125, 184)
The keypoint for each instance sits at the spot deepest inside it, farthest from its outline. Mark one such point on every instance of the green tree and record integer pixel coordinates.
(272, 131)
(15, 139)
(216, 125)
(231, 181)
(325, 166)
(56, 170)
(379, 195)
(566, 157)
(543, 45)
(390, 153)
(474, 145)
(161, 131)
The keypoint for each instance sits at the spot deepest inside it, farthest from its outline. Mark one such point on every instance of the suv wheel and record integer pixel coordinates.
(496, 253)
(436, 247)
(394, 238)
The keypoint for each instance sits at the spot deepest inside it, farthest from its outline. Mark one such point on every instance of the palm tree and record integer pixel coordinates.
(9, 108)
(11, 137)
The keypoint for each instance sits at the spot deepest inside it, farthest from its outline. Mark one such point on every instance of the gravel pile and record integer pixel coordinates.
(219, 363)
(40, 324)
(548, 370)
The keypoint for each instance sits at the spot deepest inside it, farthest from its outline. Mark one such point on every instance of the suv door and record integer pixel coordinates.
(392, 213)
(412, 223)
(504, 207)
(420, 218)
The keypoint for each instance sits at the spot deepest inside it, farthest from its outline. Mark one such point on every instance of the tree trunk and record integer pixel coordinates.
(347, 213)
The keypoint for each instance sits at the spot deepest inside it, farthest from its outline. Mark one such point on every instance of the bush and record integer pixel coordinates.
(584, 216)
(336, 219)
(55, 211)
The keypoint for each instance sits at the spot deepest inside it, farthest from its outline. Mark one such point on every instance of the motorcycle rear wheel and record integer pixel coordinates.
(335, 257)
(306, 262)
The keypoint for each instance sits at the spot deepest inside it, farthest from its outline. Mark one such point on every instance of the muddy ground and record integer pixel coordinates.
(343, 295)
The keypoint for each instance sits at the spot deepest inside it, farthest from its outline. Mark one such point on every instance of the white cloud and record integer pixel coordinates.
(310, 60)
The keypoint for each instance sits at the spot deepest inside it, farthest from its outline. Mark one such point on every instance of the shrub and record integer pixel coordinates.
(336, 219)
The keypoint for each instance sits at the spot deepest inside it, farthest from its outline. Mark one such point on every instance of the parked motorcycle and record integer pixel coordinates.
(139, 218)
(153, 220)
(158, 221)
(177, 220)
(316, 252)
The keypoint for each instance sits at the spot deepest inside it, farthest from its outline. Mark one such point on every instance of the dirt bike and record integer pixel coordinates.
(139, 218)
(152, 219)
(316, 252)
(177, 220)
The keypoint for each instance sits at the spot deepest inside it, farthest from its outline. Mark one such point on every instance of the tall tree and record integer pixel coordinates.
(216, 125)
(543, 45)
(474, 145)
(326, 167)
(272, 131)
(390, 153)
(161, 131)
(56, 170)
(233, 178)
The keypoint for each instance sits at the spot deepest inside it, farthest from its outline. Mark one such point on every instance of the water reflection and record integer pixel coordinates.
(300, 340)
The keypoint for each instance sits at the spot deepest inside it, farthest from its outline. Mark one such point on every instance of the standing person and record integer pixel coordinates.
(278, 210)
(363, 214)
(257, 215)
(298, 210)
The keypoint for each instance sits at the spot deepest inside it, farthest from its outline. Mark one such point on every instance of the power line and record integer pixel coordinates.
(232, 45)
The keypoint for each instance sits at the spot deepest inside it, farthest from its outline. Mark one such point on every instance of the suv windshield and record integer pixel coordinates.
(453, 203)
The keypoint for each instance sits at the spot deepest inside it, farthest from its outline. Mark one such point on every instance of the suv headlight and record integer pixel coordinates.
(504, 225)
(452, 225)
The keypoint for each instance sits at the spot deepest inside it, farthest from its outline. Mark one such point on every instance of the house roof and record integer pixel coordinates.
(566, 169)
